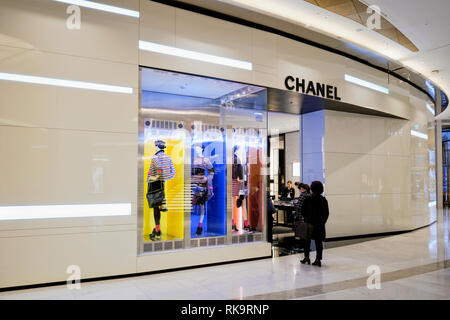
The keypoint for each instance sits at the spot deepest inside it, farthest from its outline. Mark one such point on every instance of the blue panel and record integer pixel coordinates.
(214, 223)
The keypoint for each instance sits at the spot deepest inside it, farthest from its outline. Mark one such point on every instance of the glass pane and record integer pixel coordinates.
(193, 124)
(208, 180)
(247, 180)
(164, 161)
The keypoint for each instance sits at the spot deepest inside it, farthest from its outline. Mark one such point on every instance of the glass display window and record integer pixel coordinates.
(164, 145)
(208, 180)
(247, 180)
(190, 130)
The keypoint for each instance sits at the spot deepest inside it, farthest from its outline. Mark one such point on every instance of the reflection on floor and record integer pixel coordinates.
(413, 265)
(284, 242)
(206, 234)
(164, 237)
(243, 231)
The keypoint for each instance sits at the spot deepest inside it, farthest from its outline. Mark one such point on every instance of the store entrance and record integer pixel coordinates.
(284, 175)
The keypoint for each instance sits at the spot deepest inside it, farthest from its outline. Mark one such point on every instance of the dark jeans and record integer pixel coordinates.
(319, 248)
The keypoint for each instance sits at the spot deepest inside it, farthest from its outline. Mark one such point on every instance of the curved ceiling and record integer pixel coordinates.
(361, 13)
(425, 23)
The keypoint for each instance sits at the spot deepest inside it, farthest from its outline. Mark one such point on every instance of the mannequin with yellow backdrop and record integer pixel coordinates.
(164, 161)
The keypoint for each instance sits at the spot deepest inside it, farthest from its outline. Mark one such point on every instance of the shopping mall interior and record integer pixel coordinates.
(208, 150)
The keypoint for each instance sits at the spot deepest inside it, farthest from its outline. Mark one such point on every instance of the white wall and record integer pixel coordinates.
(64, 145)
(370, 168)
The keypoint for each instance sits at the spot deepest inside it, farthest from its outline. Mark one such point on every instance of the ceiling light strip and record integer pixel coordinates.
(64, 83)
(64, 211)
(419, 135)
(194, 55)
(366, 84)
(102, 7)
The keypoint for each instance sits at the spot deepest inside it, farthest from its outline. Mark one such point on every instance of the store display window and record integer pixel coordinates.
(164, 180)
(247, 180)
(208, 180)
(201, 167)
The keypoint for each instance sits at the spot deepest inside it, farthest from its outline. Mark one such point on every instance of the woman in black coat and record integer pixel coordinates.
(315, 211)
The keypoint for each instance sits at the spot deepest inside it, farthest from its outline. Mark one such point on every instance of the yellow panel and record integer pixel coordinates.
(172, 221)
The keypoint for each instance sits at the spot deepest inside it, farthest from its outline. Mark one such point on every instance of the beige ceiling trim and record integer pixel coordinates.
(357, 11)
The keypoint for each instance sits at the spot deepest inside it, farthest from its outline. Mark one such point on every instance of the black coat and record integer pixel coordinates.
(288, 193)
(315, 211)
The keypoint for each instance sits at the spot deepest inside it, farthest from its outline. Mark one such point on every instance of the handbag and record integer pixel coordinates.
(155, 194)
(304, 230)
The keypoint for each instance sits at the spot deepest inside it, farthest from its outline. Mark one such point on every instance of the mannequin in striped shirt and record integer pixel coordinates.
(161, 168)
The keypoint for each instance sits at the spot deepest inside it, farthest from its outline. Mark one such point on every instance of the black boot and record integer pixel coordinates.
(305, 260)
(317, 263)
(155, 235)
(199, 231)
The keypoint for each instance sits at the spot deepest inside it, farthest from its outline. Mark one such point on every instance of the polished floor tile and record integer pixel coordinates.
(414, 265)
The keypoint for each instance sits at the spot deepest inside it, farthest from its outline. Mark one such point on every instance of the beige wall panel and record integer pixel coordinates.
(344, 219)
(392, 168)
(264, 79)
(41, 259)
(304, 61)
(74, 227)
(197, 256)
(367, 214)
(213, 36)
(44, 64)
(343, 173)
(385, 213)
(346, 133)
(389, 137)
(41, 25)
(45, 166)
(264, 51)
(32, 105)
(157, 23)
(68, 108)
(220, 38)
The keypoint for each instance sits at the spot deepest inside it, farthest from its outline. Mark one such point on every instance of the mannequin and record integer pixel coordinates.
(202, 183)
(239, 187)
(161, 170)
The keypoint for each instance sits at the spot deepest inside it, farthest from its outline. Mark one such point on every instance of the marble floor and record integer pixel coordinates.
(413, 265)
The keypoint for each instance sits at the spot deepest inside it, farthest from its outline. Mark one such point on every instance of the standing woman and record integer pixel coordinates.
(315, 211)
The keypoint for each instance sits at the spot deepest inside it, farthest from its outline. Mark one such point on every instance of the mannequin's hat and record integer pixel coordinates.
(160, 144)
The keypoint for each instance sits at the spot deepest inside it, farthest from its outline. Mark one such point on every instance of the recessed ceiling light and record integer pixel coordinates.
(194, 55)
(102, 7)
(64, 83)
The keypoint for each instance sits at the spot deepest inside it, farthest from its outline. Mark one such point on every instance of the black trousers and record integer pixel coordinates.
(319, 248)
